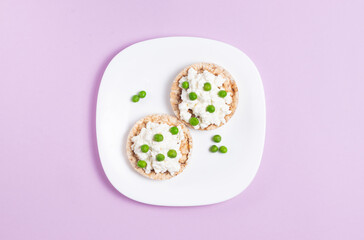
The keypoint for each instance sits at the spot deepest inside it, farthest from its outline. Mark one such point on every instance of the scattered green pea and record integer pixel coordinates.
(194, 121)
(158, 137)
(207, 86)
(144, 148)
(160, 157)
(216, 138)
(210, 108)
(135, 98)
(222, 93)
(214, 148)
(172, 153)
(142, 94)
(142, 163)
(193, 96)
(174, 130)
(223, 149)
(185, 85)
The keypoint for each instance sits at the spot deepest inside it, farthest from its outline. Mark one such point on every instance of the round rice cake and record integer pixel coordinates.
(185, 145)
(228, 85)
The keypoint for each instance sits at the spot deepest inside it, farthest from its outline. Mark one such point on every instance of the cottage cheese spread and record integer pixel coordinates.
(204, 98)
(169, 142)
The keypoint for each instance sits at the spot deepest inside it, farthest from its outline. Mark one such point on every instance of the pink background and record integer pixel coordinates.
(309, 54)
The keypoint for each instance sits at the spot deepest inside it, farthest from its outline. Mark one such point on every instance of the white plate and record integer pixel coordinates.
(151, 66)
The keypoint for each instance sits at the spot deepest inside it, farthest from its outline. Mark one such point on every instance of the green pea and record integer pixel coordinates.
(142, 94)
(216, 138)
(207, 86)
(135, 98)
(160, 157)
(174, 130)
(185, 85)
(172, 153)
(194, 121)
(142, 164)
(210, 108)
(223, 149)
(193, 96)
(158, 137)
(144, 148)
(222, 93)
(214, 148)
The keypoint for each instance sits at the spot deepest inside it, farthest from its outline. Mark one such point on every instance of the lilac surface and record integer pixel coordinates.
(309, 54)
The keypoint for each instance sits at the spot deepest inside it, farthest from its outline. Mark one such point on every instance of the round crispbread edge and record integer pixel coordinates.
(229, 85)
(186, 145)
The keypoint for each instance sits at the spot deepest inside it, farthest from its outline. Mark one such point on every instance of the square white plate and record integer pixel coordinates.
(151, 66)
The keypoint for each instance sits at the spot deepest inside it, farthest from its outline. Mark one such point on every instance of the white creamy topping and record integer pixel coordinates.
(204, 98)
(169, 142)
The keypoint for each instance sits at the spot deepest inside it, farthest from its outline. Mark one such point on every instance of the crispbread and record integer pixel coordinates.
(229, 85)
(186, 145)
